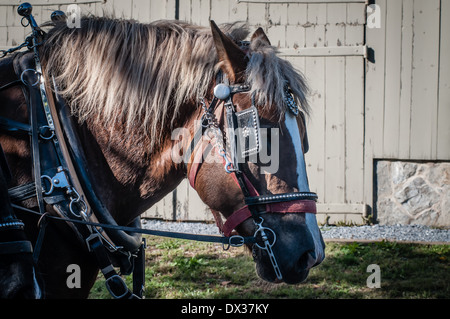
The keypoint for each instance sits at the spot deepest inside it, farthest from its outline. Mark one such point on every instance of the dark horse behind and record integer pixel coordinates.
(17, 269)
(127, 87)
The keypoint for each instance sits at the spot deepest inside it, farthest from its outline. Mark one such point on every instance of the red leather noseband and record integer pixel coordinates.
(244, 213)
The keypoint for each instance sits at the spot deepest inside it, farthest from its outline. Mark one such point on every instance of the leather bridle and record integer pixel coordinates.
(255, 204)
(16, 246)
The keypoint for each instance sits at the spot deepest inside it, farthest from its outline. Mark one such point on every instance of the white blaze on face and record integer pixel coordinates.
(302, 181)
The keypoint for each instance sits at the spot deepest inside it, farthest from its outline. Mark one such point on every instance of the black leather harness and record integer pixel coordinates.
(60, 176)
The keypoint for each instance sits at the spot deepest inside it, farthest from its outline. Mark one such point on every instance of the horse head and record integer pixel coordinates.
(258, 79)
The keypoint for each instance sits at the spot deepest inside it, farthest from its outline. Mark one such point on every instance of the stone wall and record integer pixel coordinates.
(412, 193)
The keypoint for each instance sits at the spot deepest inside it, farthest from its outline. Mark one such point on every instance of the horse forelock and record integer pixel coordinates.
(268, 74)
(141, 75)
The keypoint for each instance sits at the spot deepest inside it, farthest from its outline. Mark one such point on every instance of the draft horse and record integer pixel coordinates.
(114, 91)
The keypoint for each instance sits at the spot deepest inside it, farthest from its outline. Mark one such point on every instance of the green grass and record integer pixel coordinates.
(186, 269)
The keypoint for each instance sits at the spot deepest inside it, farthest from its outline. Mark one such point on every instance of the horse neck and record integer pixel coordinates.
(127, 177)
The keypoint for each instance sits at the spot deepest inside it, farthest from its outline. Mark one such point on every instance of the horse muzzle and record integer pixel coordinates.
(287, 258)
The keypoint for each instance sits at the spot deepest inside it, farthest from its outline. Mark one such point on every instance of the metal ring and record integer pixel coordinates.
(25, 82)
(264, 236)
(71, 209)
(44, 137)
(77, 200)
(222, 152)
(229, 167)
(51, 184)
(27, 22)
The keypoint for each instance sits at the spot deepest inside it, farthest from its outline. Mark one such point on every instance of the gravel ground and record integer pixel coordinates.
(414, 233)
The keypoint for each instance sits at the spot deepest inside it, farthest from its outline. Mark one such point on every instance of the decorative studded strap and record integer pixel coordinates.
(277, 198)
(294, 206)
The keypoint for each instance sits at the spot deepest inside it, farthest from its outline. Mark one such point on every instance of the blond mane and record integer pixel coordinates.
(140, 75)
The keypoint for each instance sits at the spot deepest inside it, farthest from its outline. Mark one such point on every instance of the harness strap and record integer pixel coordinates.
(16, 247)
(244, 213)
(4, 167)
(10, 84)
(22, 192)
(114, 283)
(14, 126)
(34, 98)
(235, 241)
(244, 183)
(139, 271)
(43, 111)
(197, 162)
(129, 241)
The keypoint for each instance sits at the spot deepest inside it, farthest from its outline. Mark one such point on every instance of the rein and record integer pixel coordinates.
(232, 241)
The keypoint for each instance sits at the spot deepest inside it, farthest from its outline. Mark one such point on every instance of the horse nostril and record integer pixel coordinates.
(306, 261)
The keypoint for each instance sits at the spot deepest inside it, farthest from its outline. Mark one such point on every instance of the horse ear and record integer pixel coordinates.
(233, 59)
(261, 35)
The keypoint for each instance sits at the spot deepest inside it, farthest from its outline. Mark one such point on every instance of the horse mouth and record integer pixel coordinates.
(267, 274)
(294, 274)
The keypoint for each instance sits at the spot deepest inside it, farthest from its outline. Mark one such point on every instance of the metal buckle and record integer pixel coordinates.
(233, 241)
(59, 181)
(92, 237)
(123, 286)
(239, 241)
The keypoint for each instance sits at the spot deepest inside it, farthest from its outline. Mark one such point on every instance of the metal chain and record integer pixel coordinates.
(4, 53)
(290, 102)
(215, 134)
